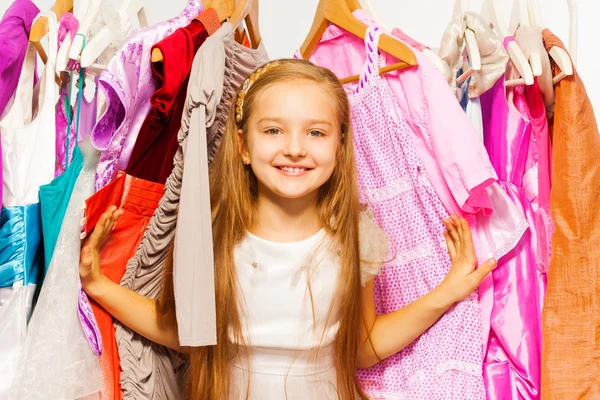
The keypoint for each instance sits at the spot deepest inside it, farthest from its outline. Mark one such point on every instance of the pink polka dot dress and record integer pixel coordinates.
(445, 362)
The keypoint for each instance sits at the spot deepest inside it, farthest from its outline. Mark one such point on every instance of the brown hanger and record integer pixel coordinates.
(224, 9)
(247, 11)
(39, 29)
(339, 12)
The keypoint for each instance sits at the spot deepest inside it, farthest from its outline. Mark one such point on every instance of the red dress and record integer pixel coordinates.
(155, 147)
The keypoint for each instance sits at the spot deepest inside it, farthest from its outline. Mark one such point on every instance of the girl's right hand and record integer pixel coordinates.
(89, 259)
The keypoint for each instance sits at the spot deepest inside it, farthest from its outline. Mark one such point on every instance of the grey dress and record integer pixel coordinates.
(149, 371)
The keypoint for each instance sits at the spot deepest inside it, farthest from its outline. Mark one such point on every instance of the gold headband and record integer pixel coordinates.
(239, 104)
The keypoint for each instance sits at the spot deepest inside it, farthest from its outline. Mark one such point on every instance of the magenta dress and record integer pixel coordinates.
(512, 357)
(445, 362)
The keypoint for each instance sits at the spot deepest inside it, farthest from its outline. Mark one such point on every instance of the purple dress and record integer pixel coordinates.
(128, 82)
(512, 358)
(14, 39)
(444, 363)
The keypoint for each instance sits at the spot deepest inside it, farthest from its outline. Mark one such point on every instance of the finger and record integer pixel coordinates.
(467, 239)
(86, 258)
(450, 244)
(484, 269)
(457, 223)
(452, 231)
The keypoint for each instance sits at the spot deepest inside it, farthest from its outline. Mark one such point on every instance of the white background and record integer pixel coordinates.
(285, 23)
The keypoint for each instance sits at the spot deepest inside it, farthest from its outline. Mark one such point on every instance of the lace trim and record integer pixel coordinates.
(422, 375)
(513, 239)
(393, 190)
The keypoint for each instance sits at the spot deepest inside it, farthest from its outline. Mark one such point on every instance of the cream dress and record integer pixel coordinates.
(291, 350)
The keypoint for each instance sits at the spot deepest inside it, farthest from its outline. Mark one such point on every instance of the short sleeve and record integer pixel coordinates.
(374, 245)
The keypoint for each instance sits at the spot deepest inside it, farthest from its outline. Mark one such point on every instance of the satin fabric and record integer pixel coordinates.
(54, 199)
(21, 262)
(571, 318)
(156, 145)
(138, 199)
(512, 360)
(20, 237)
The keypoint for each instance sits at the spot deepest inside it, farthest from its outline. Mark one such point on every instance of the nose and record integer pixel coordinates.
(294, 145)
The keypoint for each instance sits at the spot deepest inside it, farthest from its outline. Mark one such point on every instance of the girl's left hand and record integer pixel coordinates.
(464, 276)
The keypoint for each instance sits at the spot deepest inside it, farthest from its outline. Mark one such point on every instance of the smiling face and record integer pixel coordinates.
(292, 139)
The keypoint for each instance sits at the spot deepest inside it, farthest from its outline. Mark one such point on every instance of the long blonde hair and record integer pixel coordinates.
(233, 200)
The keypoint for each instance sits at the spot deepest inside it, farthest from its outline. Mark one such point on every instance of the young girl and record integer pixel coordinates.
(295, 253)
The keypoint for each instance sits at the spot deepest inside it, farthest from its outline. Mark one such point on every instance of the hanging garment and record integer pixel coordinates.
(156, 144)
(397, 32)
(463, 180)
(14, 38)
(138, 199)
(219, 68)
(570, 351)
(493, 55)
(27, 130)
(127, 83)
(291, 354)
(395, 185)
(57, 361)
(512, 361)
(20, 262)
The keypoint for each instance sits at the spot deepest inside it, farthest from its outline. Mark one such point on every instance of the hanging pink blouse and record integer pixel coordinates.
(128, 83)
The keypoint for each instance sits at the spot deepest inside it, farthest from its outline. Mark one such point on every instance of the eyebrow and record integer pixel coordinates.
(281, 120)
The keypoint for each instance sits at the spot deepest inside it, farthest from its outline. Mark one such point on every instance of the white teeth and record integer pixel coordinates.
(293, 170)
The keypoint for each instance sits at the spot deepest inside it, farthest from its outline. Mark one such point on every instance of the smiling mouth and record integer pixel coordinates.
(293, 171)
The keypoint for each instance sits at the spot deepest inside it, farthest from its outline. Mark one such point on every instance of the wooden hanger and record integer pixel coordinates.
(247, 11)
(39, 29)
(339, 13)
(433, 57)
(560, 56)
(224, 8)
(491, 12)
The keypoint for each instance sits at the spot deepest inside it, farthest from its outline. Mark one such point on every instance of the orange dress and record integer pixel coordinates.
(138, 199)
(571, 316)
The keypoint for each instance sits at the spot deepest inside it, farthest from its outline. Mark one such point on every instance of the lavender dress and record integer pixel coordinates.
(127, 83)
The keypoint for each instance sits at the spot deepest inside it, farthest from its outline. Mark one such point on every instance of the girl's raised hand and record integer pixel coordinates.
(464, 276)
(89, 259)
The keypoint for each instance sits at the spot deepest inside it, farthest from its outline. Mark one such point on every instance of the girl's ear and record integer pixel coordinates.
(242, 148)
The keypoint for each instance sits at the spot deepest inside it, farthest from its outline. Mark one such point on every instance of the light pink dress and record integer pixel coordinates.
(446, 361)
(128, 82)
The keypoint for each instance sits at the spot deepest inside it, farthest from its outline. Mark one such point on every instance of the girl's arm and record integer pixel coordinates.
(137, 312)
(385, 335)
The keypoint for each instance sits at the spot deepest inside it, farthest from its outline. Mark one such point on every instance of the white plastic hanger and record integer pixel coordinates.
(573, 29)
(85, 23)
(461, 6)
(490, 10)
(102, 39)
(62, 59)
(519, 16)
(434, 58)
(560, 57)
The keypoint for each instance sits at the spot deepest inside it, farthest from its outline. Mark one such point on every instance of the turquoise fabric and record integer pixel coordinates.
(20, 250)
(54, 199)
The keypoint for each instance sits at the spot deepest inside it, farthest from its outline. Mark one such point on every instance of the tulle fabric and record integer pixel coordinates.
(57, 361)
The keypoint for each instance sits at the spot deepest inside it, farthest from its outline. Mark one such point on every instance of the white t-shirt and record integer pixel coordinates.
(289, 335)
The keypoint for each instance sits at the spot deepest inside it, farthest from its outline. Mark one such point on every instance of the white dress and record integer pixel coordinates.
(291, 351)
